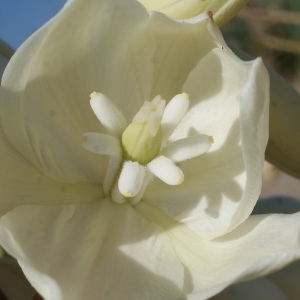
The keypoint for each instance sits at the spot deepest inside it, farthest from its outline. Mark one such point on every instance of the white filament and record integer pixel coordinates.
(174, 112)
(101, 143)
(108, 114)
(131, 178)
(188, 147)
(163, 168)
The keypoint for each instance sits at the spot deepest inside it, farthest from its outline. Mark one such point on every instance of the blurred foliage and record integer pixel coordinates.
(271, 29)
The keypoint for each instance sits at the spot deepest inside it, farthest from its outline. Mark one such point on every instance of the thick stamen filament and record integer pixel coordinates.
(101, 144)
(174, 112)
(108, 114)
(163, 168)
(188, 147)
(131, 179)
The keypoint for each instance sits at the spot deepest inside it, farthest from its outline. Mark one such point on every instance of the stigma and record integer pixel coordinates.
(142, 150)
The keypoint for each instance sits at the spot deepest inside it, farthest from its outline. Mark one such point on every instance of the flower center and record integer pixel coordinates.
(142, 150)
(141, 140)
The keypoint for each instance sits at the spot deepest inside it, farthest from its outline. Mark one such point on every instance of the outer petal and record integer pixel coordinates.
(229, 102)
(223, 10)
(112, 46)
(262, 244)
(96, 251)
(283, 146)
(21, 183)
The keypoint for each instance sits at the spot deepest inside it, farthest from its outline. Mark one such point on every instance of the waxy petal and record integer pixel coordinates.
(98, 251)
(259, 246)
(21, 183)
(222, 186)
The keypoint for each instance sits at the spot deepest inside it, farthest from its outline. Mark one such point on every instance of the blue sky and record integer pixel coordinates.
(20, 18)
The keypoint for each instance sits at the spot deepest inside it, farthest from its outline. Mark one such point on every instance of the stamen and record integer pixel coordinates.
(174, 112)
(133, 150)
(112, 169)
(108, 114)
(101, 144)
(106, 145)
(188, 147)
(131, 179)
(163, 168)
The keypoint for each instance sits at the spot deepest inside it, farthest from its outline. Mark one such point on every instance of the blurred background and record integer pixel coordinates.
(271, 29)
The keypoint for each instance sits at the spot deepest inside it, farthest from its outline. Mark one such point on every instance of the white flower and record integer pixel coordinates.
(60, 218)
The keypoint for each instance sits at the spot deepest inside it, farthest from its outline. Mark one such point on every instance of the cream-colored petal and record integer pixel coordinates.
(21, 183)
(111, 46)
(223, 10)
(229, 101)
(95, 251)
(260, 245)
(283, 146)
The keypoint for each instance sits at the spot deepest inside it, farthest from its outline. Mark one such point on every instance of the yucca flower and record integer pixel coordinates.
(144, 192)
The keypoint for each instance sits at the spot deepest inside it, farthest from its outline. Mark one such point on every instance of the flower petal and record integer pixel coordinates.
(21, 183)
(230, 103)
(260, 245)
(45, 89)
(97, 251)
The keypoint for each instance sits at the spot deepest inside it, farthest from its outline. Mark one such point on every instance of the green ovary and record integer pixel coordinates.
(139, 144)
